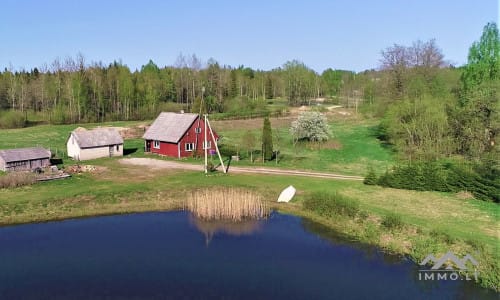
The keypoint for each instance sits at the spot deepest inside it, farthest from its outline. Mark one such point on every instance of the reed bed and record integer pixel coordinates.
(232, 204)
(17, 179)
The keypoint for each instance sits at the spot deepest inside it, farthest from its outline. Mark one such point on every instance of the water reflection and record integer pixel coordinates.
(463, 289)
(370, 252)
(233, 228)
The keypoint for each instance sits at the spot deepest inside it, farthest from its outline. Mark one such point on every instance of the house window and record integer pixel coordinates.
(117, 147)
(189, 147)
(197, 130)
(209, 145)
(156, 144)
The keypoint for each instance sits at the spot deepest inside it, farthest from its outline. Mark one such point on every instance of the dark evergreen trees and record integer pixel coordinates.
(267, 140)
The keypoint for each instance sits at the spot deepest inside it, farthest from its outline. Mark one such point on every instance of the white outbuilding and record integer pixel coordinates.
(85, 144)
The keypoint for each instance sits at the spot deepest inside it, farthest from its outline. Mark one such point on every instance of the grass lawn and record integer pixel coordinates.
(352, 149)
(52, 137)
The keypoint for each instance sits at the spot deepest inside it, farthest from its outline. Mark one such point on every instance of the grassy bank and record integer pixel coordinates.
(425, 222)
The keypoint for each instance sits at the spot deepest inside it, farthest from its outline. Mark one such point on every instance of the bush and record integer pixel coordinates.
(227, 147)
(12, 119)
(480, 180)
(331, 204)
(392, 221)
(371, 177)
(442, 236)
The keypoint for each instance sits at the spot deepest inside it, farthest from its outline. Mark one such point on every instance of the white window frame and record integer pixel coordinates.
(156, 144)
(197, 130)
(189, 147)
(209, 144)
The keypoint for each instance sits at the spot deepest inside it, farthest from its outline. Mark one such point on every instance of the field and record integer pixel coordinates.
(432, 222)
(352, 148)
(52, 137)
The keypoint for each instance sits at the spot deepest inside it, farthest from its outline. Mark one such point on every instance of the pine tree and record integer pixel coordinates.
(267, 140)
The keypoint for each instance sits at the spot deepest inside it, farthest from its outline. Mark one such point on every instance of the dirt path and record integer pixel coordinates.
(163, 164)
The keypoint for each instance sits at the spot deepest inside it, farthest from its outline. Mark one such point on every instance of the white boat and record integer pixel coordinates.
(287, 194)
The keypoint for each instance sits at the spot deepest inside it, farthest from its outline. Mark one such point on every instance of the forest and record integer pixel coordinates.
(430, 111)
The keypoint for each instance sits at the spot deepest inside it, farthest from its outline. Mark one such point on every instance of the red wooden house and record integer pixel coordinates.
(178, 135)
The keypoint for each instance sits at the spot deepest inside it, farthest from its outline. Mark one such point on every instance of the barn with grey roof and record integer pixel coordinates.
(24, 159)
(85, 144)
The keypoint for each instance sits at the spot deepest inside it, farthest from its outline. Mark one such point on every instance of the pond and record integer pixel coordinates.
(170, 255)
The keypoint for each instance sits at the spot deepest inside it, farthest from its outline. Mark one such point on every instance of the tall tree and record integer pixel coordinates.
(403, 64)
(300, 82)
(267, 140)
(483, 61)
(476, 120)
(249, 141)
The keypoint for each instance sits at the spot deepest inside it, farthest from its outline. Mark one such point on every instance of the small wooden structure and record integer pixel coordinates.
(178, 135)
(85, 144)
(24, 159)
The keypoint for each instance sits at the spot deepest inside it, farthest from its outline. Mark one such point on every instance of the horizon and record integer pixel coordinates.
(317, 33)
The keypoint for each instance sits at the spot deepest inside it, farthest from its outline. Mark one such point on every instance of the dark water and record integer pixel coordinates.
(166, 256)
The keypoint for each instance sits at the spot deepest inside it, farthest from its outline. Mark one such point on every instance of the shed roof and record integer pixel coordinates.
(170, 127)
(11, 155)
(97, 137)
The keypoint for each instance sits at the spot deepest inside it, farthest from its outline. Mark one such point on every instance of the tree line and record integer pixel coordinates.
(74, 91)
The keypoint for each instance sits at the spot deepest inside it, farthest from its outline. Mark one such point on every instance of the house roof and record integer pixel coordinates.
(170, 127)
(97, 137)
(21, 154)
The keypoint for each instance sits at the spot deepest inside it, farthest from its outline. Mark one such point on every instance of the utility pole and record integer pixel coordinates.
(216, 147)
(205, 143)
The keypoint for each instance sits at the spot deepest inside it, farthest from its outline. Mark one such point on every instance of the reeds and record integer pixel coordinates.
(226, 204)
(16, 179)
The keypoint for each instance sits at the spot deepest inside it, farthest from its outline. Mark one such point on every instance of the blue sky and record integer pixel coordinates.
(262, 34)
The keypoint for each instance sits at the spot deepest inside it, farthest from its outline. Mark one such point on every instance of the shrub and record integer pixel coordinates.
(442, 236)
(227, 147)
(371, 177)
(12, 119)
(331, 204)
(482, 181)
(210, 167)
(392, 221)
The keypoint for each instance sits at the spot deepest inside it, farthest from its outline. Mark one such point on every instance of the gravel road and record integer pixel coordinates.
(164, 164)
